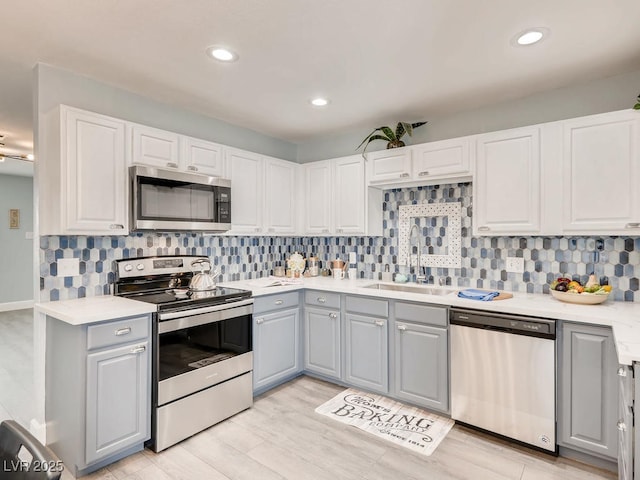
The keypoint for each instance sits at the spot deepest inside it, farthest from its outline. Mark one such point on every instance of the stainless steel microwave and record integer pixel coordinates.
(166, 200)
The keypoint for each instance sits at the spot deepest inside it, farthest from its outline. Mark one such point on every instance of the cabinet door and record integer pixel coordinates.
(420, 373)
(94, 195)
(203, 157)
(153, 147)
(349, 195)
(118, 400)
(601, 172)
(322, 341)
(247, 191)
(318, 200)
(276, 347)
(507, 183)
(441, 159)
(280, 198)
(389, 166)
(366, 353)
(589, 392)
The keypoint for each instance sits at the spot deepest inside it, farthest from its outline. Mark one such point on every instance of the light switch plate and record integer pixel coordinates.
(352, 257)
(515, 264)
(68, 267)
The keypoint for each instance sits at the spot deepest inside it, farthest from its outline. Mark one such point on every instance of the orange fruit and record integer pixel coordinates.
(606, 288)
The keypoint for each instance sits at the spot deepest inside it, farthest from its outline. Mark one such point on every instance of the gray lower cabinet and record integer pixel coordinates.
(420, 357)
(276, 340)
(98, 387)
(588, 409)
(366, 343)
(322, 341)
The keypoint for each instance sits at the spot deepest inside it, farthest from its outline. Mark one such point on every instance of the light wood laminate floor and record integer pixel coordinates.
(282, 437)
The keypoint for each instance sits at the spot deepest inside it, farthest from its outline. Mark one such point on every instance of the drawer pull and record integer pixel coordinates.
(260, 321)
(116, 226)
(483, 228)
(402, 328)
(622, 372)
(621, 426)
(172, 165)
(193, 168)
(404, 175)
(632, 225)
(333, 316)
(138, 349)
(123, 331)
(423, 174)
(379, 323)
(321, 300)
(278, 302)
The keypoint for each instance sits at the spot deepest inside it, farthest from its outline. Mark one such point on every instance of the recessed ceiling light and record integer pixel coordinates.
(222, 54)
(319, 102)
(530, 36)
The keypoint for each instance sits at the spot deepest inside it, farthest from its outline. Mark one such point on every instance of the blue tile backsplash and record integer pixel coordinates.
(614, 260)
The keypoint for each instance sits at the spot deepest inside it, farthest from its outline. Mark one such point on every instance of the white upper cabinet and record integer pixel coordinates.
(389, 166)
(154, 147)
(203, 157)
(245, 169)
(446, 158)
(318, 195)
(281, 184)
(83, 182)
(507, 183)
(601, 174)
(349, 199)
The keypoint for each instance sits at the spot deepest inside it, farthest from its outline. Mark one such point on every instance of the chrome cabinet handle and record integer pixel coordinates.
(278, 302)
(404, 175)
(138, 349)
(193, 168)
(325, 230)
(333, 316)
(116, 226)
(621, 426)
(122, 331)
(379, 323)
(260, 321)
(423, 174)
(257, 229)
(402, 328)
(483, 228)
(622, 372)
(172, 165)
(271, 230)
(338, 230)
(321, 299)
(632, 225)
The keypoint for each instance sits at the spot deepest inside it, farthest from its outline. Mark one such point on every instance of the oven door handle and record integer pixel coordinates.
(170, 322)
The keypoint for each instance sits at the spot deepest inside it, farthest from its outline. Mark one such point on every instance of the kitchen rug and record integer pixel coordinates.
(401, 424)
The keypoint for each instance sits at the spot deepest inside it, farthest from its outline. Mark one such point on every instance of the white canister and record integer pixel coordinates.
(338, 273)
(353, 273)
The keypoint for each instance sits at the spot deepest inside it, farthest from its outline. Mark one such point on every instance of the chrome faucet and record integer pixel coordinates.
(419, 278)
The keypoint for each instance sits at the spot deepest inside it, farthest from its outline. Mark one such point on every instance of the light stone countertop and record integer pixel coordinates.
(87, 310)
(623, 317)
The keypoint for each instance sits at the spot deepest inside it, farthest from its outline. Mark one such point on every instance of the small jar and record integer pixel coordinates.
(314, 269)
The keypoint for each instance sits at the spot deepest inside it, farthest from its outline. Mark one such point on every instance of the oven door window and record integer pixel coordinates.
(188, 349)
(160, 199)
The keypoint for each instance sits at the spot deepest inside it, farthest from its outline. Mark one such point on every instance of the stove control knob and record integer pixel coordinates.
(128, 267)
(140, 266)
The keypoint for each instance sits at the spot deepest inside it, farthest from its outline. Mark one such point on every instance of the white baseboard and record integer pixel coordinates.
(6, 307)
(38, 430)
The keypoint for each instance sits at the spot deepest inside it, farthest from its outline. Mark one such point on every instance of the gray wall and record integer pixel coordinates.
(16, 252)
(55, 86)
(605, 95)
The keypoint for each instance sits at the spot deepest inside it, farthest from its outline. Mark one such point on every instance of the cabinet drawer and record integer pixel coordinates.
(114, 333)
(322, 299)
(416, 312)
(275, 302)
(368, 306)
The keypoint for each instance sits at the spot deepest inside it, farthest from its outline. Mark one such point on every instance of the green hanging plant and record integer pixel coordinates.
(393, 138)
(637, 105)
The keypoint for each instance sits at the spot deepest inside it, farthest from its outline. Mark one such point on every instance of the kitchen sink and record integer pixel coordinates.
(410, 288)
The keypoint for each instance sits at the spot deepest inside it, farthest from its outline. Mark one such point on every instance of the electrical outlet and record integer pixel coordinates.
(515, 264)
(68, 267)
(352, 257)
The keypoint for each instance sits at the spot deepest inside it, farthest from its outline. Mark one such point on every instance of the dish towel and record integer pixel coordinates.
(473, 294)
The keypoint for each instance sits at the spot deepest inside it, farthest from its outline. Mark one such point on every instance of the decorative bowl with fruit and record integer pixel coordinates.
(572, 291)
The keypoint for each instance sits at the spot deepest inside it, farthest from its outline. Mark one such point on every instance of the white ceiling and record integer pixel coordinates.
(376, 60)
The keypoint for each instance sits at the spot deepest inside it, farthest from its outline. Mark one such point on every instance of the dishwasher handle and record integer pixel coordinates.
(514, 324)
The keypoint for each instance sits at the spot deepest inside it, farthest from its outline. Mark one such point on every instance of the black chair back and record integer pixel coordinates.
(43, 464)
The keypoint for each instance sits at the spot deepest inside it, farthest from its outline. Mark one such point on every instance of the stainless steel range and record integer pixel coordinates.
(202, 358)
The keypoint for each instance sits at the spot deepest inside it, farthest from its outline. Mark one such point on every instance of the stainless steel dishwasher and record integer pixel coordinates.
(503, 375)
